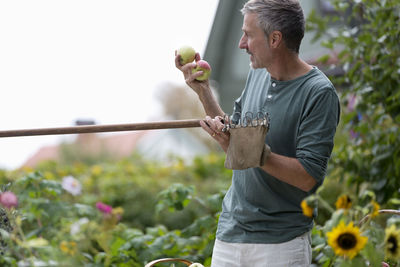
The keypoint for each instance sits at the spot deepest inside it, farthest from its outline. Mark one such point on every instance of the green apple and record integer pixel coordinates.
(203, 66)
(196, 265)
(187, 54)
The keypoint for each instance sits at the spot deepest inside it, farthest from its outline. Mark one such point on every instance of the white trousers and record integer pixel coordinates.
(294, 253)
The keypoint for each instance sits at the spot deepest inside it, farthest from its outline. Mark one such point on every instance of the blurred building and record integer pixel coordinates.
(157, 145)
(162, 144)
(118, 146)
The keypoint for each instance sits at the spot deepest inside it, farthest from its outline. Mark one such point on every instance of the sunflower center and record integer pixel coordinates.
(347, 241)
(393, 244)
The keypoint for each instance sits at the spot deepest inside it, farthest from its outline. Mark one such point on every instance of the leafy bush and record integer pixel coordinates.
(132, 211)
(365, 165)
(125, 213)
(363, 37)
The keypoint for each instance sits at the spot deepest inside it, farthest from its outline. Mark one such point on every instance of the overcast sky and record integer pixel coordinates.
(102, 60)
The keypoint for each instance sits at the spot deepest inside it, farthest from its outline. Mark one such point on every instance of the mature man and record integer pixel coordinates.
(261, 223)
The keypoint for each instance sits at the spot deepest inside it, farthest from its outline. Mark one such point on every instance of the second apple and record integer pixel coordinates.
(203, 66)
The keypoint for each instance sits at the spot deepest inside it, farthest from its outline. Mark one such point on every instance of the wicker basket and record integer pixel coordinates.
(153, 263)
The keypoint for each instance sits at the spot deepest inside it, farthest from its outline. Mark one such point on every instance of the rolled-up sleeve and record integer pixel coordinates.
(316, 133)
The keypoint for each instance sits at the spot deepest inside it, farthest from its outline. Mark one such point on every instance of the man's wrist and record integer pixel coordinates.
(265, 154)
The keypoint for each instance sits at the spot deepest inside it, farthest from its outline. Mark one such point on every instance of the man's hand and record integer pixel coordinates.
(190, 78)
(202, 88)
(214, 128)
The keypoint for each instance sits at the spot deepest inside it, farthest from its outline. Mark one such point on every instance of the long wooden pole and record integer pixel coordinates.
(103, 128)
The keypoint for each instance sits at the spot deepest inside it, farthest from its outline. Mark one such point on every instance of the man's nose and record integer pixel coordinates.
(243, 42)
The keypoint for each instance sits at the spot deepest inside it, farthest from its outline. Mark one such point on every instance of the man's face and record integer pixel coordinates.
(254, 42)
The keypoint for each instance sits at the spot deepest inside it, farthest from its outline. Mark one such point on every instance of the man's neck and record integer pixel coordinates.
(288, 66)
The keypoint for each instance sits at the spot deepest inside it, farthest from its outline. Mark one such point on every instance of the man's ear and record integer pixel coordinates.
(275, 39)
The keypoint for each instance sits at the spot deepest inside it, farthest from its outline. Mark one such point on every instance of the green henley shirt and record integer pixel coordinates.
(304, 113)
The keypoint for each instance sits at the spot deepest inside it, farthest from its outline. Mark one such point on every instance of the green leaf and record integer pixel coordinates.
(375, 256)
(4, 235)
(116, 245)
(324, 58)
(35, 243)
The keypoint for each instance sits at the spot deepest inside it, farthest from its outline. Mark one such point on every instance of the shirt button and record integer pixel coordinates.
(273, 84)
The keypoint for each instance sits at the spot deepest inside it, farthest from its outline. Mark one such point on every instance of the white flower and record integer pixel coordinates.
(71, 185)
(76, 226)
(38, 263)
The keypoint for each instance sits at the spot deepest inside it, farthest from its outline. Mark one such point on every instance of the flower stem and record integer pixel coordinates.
(325, 204)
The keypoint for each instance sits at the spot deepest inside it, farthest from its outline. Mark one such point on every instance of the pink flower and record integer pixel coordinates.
(352, 102)
(8, 199)
(103, 208)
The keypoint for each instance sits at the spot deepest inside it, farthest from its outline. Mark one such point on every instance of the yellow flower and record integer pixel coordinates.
(64, 246)
(346, 240)
(68, 247)
(117, 211)
(27, 169)
(179, 166)
(97, 170)
(307, 210)
(343, 202)
(116, 214)
(375, 209)
(48, 175)
(212, 158)
(392, 243)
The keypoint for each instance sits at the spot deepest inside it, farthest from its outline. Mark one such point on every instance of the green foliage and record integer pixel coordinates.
(365, 165)
(363, 36)
(157, 211)
(176, 197)
(172, 211)
(78, 152)
(367, 218)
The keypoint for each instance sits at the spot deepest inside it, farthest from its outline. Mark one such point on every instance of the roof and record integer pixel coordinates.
(155, 145)
(160, 145)
(118, 145)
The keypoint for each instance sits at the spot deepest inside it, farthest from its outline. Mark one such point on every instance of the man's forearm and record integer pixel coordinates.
(210, 103)
(289, 170)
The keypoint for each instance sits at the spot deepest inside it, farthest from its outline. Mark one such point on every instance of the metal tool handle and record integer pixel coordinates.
(103, 128)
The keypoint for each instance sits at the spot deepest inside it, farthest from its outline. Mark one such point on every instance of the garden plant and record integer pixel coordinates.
(132, 211)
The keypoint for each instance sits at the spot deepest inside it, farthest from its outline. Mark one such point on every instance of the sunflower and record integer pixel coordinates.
(392, 243)
(307, 210)
(375, 209)
(346, 240)
(343, 202)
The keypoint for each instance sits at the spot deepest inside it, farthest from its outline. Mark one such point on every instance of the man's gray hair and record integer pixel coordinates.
(285, 16)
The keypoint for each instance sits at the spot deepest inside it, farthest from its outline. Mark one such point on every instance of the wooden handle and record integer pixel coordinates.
(103, 128)
(151, 264)
(395, 212)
